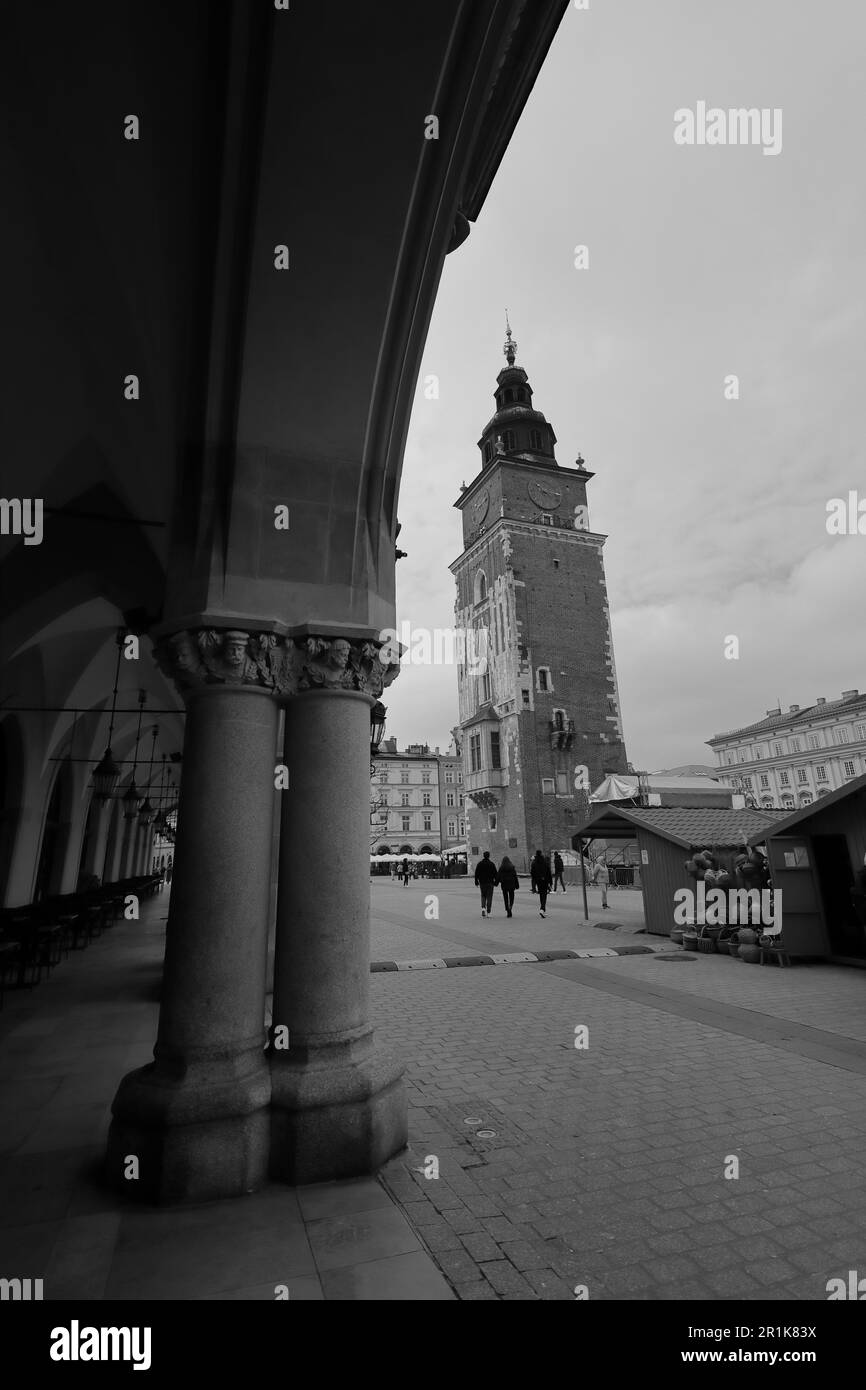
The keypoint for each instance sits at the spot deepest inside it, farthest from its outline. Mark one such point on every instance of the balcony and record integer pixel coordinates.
(485, 780)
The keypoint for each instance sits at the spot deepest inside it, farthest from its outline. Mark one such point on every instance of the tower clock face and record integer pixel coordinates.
(543, 494)
(480, 506)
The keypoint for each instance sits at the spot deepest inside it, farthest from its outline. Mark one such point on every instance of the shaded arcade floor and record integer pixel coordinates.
(63, 1048)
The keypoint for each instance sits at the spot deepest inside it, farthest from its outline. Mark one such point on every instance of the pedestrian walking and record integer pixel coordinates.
(486, 879)
(558, 867)
(602, 879)
(541, 878)
(405, 867)
(509, 883)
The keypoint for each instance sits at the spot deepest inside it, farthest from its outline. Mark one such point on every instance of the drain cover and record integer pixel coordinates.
(486, 1133)
(473, 1120)
(677, 960)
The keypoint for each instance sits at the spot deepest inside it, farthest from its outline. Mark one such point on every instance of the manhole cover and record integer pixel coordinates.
(677, 960)
(473, 1120)
(486, 1133)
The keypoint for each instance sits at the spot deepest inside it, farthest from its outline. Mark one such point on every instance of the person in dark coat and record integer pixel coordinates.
(541, 878)
(405, 872)
(509, 883)
(558, 867)
(486, 879)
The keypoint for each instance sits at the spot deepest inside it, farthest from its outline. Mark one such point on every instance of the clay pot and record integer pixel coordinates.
(750, 954)
(690, 941)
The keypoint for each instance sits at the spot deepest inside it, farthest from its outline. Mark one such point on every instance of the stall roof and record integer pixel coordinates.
(794, 818)
(681, 825)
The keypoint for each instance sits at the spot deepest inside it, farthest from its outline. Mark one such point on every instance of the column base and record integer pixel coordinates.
(197, 1137)
(338, 1111)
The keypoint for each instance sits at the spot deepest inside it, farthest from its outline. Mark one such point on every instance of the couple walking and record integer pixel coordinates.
(487, 876)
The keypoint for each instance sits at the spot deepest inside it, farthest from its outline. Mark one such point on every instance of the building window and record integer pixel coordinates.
(543, 678)
(404, 777)
(860, 730)
(784, 779)
(802, 775)
(485, 688)
(841, 735)
(795, 745)
(405, 820)
(428, 822)
(546, 519)
(747, 782)
(509, 441)
(425, 799)
(547, 784)
(767, 802)
(475, 753)
(494, 750)
(813, 741)
(805, 799)
(491, 820)
(509, 396)
(449, 798)
(525, 694)
(758, 754)
(425, 777)
(729, 758)
(562, 784)
(765, 781)
(383, 777)
(463, 827)
(480, 586)
(449, 775)
(488, 453)
(742, 755)
(777, 750)
(848, 767)
(460, 777)
(788, 803)
(404, 798)
(821, 772)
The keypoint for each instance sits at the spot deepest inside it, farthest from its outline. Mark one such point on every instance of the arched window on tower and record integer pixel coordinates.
(480, 586)
(509, 441)
(509, 395)
(488, 452)
(535, 440)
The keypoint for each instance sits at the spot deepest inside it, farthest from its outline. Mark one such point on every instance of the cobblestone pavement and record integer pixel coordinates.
(606, 1166)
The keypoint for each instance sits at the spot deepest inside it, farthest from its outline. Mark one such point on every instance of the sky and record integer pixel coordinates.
(704, 262)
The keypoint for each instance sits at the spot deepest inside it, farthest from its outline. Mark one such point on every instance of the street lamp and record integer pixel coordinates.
(377, 727)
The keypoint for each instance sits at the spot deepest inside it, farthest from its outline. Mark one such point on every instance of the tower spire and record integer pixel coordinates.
(510, 348)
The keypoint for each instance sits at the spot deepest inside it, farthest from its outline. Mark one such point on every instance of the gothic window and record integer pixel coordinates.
(475, 753)
(559, 718)
(491, 820)
(480, 586)
(494, 750)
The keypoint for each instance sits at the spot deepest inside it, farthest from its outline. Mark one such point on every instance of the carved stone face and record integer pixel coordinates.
(186, 653)
(339, 656)
(235, 649)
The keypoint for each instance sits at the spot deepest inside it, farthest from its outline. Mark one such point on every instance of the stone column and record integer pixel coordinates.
(197, 1117)
(95, 857)
(338, 1101)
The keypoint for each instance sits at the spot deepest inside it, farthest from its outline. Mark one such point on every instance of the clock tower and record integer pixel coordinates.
(540, 715)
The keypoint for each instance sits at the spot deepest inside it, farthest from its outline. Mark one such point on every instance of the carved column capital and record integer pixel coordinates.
(198, 658)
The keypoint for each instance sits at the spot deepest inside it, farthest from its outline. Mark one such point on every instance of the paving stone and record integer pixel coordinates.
(504, 1278)
(476, 1290)
(481, 1247)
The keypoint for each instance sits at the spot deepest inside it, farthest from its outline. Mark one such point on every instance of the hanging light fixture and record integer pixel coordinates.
(377, 726)
(147, 812)
(159, 823)
(106, 774)
(133, 798)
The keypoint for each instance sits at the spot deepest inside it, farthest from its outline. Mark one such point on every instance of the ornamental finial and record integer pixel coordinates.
(510, 348)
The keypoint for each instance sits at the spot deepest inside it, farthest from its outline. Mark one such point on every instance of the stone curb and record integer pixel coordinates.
(514, 958)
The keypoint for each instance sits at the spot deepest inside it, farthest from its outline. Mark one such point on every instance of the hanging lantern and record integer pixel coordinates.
(132, 801)
(146, 814)
(106, 776)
